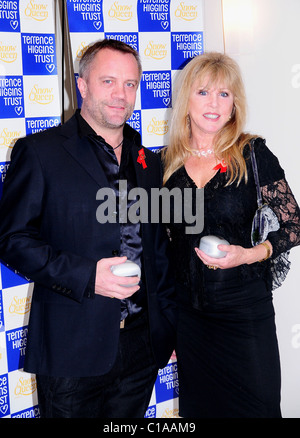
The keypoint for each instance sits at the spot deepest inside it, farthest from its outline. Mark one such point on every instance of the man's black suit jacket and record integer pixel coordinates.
(49, 232)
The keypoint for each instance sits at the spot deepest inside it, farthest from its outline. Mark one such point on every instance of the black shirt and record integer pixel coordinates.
(130, 233)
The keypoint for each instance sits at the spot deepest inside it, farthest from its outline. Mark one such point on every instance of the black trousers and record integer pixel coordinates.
(124, 392)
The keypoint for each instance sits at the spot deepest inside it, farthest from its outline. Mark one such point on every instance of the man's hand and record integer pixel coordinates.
(109, 285)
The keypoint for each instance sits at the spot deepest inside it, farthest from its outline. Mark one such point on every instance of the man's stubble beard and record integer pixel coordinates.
(109, 121)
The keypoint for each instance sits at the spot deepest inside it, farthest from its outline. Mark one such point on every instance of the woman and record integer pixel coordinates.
(227, 348)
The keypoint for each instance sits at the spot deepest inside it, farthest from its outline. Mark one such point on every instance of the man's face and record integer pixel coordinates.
(109, 89)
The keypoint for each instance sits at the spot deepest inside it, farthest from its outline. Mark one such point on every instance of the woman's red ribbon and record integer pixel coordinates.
(222, 166)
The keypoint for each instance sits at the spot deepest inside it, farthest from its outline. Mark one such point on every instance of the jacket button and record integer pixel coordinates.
(115, 252)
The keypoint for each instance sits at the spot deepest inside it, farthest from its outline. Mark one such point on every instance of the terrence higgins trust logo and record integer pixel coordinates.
(164, 205)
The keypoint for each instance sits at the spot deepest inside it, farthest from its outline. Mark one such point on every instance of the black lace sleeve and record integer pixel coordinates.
(276, 192)
(280, 198)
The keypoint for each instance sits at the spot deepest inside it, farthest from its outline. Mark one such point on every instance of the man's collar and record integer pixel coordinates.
(85, 130)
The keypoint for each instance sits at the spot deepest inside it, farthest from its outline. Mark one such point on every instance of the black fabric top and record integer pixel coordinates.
(228, 213)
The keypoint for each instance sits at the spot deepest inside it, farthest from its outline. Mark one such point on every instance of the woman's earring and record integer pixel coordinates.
(188, 121)
(232, 113)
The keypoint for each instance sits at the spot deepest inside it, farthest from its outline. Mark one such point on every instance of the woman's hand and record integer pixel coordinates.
(236, 255)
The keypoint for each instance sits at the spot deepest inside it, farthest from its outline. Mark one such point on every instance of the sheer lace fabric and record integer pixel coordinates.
(284, 205)
(280, 197)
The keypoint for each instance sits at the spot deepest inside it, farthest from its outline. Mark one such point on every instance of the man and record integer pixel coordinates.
(94, 344)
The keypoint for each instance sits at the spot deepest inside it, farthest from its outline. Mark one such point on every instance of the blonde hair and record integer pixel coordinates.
(230, 141)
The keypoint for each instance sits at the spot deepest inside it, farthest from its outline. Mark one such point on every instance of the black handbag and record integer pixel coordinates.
(264, 222)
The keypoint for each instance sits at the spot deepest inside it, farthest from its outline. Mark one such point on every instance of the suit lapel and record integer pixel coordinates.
(147, 170)
(82, 152)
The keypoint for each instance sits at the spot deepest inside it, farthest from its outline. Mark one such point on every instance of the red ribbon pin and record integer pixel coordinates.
(222, 166)
(141, 158)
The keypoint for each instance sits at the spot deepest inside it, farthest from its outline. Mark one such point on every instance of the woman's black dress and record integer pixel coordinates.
(227, 350)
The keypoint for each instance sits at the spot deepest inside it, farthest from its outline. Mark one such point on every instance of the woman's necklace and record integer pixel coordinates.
(200, 152)
(205, 153)
(118, 145)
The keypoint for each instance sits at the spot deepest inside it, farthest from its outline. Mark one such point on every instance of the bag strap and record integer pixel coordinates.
(255, 172)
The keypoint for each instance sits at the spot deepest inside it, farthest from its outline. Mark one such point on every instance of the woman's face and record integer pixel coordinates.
(209, 107)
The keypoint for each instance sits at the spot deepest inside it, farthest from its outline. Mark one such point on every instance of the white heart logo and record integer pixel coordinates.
(97, 24)
(50, 67)
(19, 110)
(4, 409)
(14, 24)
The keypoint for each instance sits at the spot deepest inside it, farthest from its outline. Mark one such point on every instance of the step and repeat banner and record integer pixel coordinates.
(167, 33)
